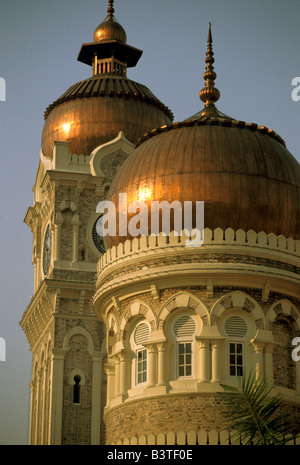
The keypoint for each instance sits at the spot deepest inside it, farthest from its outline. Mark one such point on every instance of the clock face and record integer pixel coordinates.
(47, 251)
(98, 240)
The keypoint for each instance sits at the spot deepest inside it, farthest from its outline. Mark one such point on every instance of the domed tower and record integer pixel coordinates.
(88, 133)
(185, 318)
(92, 112)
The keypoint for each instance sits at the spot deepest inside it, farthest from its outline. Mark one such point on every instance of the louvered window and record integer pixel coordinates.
(141, 334)
(184, 326)
(235, 326)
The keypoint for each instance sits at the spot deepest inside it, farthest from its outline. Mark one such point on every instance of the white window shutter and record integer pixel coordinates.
(235, 326)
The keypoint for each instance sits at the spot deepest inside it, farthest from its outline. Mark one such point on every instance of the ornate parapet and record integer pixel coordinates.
(224, 256)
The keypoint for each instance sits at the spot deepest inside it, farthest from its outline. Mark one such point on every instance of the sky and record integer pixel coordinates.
(257, 55)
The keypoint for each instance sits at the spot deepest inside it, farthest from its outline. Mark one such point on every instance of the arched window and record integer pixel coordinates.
(184, 329)
(76, 390)
(236, 329)
(140, 337)
(284, 365)
(82, 253)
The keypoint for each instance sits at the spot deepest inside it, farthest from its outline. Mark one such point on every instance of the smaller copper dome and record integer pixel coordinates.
(110, 29)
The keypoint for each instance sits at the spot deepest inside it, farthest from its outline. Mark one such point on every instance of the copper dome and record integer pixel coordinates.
(245, 175)
(243, 172)
(110, 30)
(93, 111)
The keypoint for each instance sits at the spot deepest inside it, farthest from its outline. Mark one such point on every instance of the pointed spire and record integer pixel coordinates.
(110, 10)
(209, 94)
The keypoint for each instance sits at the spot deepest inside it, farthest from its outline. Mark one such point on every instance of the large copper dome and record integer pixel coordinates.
(93, 111)
(243, 172)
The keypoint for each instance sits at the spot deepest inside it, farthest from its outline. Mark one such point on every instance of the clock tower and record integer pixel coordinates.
(88, 133)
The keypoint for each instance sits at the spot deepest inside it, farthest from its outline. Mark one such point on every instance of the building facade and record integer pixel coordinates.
(88, 133)
(133, 336)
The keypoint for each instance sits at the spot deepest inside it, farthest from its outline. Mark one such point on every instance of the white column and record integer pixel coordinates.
(110, 372)
(96, 397)
(117, 375)
(43, 402)
(31, 420)
(35, 275)
(124, 368)
(56, 396)
(259, 358)
(76, 223)
(57, 235)
(216, 375)
(204, 362)
(163, 372)
(151, 365)
(37, 409)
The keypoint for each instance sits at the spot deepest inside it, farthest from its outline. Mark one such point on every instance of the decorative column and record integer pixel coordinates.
(123, 357)
(110, 373)
(204, 362)
(57, 235)
(163, 372)
(43, 401)
(96, 397)
(151, 365)
(117, 375)
(56, 398)
(76, 223)
(259, 358)
(35, 409)
(35, 273)
(216, 375)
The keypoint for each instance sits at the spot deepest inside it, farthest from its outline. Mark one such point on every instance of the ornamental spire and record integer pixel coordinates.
(209, 94)
(110, 10)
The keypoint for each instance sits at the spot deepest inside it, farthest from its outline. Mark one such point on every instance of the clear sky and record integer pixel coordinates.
(257, 53)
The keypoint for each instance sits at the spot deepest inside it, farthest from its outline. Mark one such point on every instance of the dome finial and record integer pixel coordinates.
(110, 10)
(209, 94)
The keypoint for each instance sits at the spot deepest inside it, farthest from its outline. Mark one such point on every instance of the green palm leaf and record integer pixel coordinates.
(253, 412)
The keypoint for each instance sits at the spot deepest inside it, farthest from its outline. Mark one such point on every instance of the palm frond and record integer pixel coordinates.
(252, 411)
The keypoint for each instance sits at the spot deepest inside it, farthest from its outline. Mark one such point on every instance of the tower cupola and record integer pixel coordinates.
(109, 53)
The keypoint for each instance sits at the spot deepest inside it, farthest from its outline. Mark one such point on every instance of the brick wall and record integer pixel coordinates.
(195, 412)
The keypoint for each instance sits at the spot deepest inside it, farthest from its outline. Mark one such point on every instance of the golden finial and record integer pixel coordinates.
(209, 94)
(110, 10)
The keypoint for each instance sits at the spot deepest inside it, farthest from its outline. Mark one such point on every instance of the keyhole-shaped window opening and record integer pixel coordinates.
(83, 254)
(76, 390)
